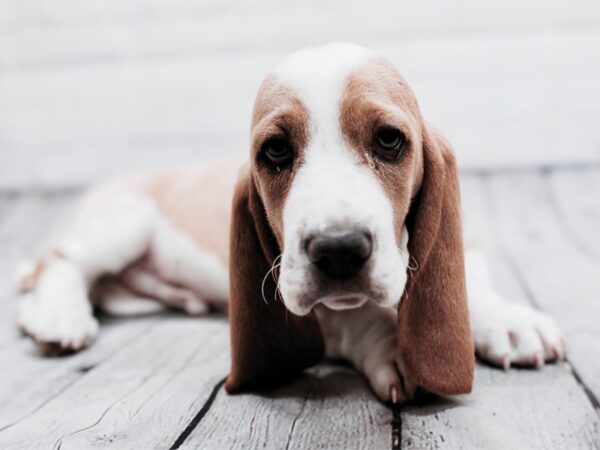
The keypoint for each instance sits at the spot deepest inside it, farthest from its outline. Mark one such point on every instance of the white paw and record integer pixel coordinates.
(508, 334)
(385, 375)
(57, 328)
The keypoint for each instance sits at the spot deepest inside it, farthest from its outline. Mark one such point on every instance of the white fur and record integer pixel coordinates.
(339, 188)
(366, 337)
(57, 311)
(507, 333)
(110, 233)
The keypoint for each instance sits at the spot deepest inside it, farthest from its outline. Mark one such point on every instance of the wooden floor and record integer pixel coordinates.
(90, 89)
(156, 381)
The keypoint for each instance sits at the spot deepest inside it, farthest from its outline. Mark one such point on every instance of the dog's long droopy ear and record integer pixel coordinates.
(268, 344)
(434, 334)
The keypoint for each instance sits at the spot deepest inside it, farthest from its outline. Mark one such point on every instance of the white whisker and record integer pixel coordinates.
(414, 266)
(274, 266)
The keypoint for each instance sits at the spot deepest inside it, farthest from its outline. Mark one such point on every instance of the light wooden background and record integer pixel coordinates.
(91, 89)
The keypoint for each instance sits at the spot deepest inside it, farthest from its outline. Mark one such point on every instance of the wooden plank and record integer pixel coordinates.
(40, 381)
(142, 396)
(133, 389)
(554, 271)
(518, 409)
(574, 195)
(156, 113)
(74, 32)
(7, 202)
(31, 221)
(329, 407)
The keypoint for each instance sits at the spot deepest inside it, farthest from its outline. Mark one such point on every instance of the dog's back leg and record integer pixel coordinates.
(146, 283)
(108, 234)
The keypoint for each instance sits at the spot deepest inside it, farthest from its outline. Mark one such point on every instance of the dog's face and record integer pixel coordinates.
(337, 158)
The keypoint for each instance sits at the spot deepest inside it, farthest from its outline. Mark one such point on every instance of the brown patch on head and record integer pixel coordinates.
(376, 96)
(278, 112)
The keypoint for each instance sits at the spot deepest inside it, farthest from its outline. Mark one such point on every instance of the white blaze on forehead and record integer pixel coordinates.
(333, 186)
(318, 76)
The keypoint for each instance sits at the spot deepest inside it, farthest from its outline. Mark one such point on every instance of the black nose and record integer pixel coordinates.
(339, 254)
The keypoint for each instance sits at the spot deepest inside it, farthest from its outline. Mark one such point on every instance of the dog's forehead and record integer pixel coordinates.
(317, 75)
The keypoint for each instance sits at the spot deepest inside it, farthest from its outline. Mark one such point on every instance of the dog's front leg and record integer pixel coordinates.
(366, 337)
(507, 333)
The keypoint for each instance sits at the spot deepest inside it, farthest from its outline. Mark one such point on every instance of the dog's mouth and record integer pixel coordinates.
(340, 302)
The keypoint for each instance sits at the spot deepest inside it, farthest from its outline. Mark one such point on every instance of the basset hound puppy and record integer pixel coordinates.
(345, 241)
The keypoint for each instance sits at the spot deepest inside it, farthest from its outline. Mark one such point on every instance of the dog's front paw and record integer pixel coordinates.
(57, 330)
(385, 374)
(508, 334)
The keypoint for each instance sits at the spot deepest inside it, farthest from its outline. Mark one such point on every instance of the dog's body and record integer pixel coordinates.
(166, 236)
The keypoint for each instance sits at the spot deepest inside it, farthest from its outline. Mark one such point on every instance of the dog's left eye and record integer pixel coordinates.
(277, 151)
(389, 143)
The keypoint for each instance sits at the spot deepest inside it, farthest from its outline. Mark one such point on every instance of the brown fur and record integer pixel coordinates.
(277, 111)
(267, 343)
(434, 334)
(210, 191)
(376, 96)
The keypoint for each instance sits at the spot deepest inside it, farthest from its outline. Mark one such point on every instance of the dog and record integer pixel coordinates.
(345, 228)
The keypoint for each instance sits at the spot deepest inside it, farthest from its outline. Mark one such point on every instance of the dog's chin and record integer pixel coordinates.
(336, 302)
(342, 302)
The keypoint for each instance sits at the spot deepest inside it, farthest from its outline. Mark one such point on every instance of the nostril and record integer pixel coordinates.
(339, 253)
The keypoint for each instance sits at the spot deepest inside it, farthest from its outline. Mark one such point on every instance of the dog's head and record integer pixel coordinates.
(350, 197)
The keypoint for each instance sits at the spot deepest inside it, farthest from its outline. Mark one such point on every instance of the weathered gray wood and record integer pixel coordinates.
(74, 33)
(145, 379)
(519, 409)
(142, 395)
(39, 381)
(329, 407)
(111, 89)
(574, 195)
(556, 274)
(7, 202)
(31, 221)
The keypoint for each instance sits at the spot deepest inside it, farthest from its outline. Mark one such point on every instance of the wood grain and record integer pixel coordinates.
(107, 88)
(329, 407)
(557, 276)
(147, 380)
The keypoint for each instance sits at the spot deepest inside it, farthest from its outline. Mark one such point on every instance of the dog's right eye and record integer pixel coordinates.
(389, 143)
(277, 151)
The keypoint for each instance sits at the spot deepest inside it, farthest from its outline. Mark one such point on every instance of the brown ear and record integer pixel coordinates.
(268, 343)
(434, 334)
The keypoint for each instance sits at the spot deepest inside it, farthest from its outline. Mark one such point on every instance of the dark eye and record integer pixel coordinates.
(389, 143)
(277, 151)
